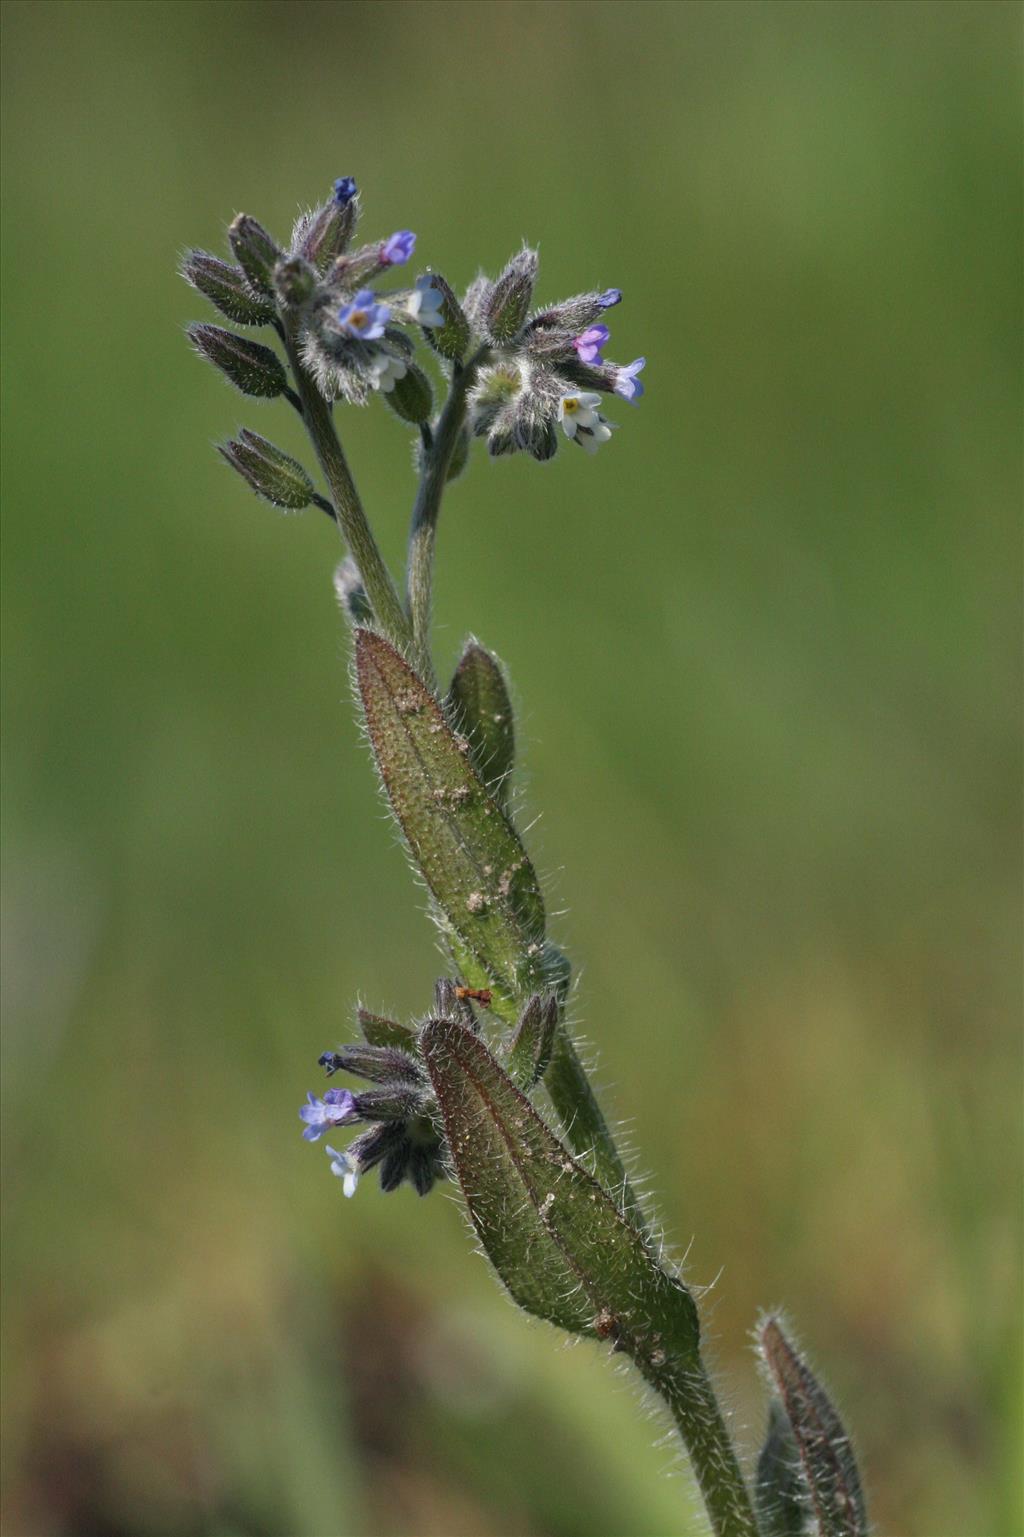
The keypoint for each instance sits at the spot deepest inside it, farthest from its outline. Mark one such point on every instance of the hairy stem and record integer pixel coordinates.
(426, 510)
(687, 1390)
(380, 589)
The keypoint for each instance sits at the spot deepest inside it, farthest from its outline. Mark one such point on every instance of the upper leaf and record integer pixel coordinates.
(479, 704)
(469, 854)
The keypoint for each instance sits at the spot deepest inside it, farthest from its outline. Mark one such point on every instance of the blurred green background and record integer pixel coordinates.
(765, 648)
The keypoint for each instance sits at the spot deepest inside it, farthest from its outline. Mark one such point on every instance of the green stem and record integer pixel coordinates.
(352, 521)
(687, 1390)
(427, 509)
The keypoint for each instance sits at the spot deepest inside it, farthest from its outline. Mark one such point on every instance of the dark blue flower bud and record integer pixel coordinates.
(345, 190)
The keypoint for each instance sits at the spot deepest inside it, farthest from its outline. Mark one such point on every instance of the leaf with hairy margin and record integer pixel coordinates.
(553, 1234)
(460, 838)
(478, 702)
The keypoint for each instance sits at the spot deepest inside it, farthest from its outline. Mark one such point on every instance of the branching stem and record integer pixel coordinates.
(426, 510)
(348, 509)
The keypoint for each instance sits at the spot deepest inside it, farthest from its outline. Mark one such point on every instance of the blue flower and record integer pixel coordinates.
(610, 297)
(589, 343)
(397, 248)
(337, 1108)
(626, 382)
(345, 190)
(363, 317)
(345, 1168)
(426, 303)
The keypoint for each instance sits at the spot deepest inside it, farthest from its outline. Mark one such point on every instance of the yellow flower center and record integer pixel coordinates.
(357, 318)
(570, 405)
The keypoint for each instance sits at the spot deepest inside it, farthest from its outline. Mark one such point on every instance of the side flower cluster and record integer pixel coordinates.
(402, 1137)
(545, 370)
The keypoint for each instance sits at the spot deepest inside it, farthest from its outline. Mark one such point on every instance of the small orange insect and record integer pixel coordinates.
(480, 995)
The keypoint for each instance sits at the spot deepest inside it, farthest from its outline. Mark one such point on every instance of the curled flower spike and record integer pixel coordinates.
(345, 1168)
(337, 1108)
(582, 422)
(589, 344)
(398, 247)
(626, 382)
(363, 317)
(345, 190)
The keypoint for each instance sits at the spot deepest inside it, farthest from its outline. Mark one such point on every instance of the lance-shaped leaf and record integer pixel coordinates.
(781, 1494)
(251, 367)
(530, 1048)
(378, 1031)
(554, 1236)
(466, 848)
(478, 702)
(829, 1468)
(226, 287)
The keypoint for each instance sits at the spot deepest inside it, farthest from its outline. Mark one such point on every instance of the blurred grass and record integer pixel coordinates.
(766, 649)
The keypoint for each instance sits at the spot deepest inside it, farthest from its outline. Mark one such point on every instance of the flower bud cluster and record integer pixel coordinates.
(352, 341)
(542, 372)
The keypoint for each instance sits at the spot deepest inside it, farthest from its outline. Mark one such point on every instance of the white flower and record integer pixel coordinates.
(346, 1169)
(425, 303)
(386, 370)
(582, 421)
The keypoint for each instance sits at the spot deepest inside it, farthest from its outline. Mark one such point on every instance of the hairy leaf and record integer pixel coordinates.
(478, 702)
(554, 1236)
(473, 863)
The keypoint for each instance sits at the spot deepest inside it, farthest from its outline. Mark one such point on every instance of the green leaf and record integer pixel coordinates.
(378, 1031)
(829, 1467)
(479, 704)
(530, 1048)
(553, 1234)
(469, 854)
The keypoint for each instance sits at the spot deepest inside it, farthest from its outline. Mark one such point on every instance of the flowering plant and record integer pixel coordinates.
(487, 1089)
